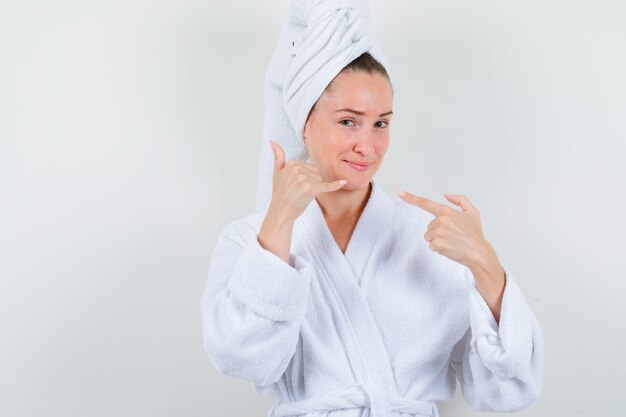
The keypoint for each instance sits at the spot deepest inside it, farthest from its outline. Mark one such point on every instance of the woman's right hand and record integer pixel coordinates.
(295, 184)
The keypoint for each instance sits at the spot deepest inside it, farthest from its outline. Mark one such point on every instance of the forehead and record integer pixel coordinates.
(359, 91)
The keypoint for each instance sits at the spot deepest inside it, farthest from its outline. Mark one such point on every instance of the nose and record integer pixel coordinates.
(365, 142)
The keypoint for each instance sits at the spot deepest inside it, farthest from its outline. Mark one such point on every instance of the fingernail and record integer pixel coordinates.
(343, 181)
(401, 193)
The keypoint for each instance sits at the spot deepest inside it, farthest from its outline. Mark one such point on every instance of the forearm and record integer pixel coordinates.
(490, 278)
(275, 234)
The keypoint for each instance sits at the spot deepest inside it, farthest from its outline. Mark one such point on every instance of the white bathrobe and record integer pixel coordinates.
(384, 329)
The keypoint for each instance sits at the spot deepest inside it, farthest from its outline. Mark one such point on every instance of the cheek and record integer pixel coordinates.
(327, 150)
(337, 143)
(382, 145)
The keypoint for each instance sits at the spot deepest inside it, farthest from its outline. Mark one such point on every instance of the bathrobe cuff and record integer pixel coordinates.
(505, 349)
(268, 285)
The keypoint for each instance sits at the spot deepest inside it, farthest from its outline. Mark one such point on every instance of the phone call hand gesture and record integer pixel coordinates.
(295, 184)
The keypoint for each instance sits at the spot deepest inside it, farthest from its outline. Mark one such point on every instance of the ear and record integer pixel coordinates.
(306, 126)
(309, 117)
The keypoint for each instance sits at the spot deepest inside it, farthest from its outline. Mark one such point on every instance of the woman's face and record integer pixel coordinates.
(350, 124)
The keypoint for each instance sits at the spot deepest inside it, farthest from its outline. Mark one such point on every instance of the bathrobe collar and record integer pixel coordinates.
(346, 275)
(368, 229)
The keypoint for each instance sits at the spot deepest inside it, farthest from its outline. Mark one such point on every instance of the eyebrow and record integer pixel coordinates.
(360, 113)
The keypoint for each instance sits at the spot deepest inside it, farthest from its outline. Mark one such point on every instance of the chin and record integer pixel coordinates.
(359, 183)
(356, 180)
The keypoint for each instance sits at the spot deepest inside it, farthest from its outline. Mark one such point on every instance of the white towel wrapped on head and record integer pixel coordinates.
(319, 38)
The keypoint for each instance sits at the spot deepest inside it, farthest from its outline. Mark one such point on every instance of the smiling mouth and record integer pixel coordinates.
(357, 166)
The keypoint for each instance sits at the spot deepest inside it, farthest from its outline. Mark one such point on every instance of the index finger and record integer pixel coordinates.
(422, 202)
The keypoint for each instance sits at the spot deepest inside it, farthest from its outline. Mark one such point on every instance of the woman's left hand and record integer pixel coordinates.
(458, 235)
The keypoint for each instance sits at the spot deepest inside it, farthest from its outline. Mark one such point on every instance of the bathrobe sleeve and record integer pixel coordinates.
(252, 307)
(500, 367)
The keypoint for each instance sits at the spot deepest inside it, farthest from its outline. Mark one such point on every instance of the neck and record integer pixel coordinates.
(343, 205)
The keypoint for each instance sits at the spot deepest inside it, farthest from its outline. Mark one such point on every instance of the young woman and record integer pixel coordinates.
(339, 300)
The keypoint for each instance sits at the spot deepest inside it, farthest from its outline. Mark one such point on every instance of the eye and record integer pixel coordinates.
(382, 121)
(345, 120)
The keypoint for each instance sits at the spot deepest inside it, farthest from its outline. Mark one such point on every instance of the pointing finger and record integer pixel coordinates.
(423, 203)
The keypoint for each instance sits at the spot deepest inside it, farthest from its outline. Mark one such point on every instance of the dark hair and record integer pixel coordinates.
(364, 62)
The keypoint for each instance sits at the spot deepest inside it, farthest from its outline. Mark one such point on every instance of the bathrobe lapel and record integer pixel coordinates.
(347, 274)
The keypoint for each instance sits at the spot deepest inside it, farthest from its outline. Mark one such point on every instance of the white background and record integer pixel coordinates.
(130, 134)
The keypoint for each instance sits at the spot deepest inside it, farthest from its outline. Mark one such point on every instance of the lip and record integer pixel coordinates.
(358, 166)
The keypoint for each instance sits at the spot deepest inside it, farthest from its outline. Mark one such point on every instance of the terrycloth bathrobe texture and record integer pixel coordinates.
(382, 330)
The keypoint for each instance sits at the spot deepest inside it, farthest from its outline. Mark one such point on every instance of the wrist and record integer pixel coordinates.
(275, 235)
(485, 265)
(482, 257)
(277, 220)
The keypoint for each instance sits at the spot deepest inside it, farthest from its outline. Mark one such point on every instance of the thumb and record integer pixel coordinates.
(279, 156)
